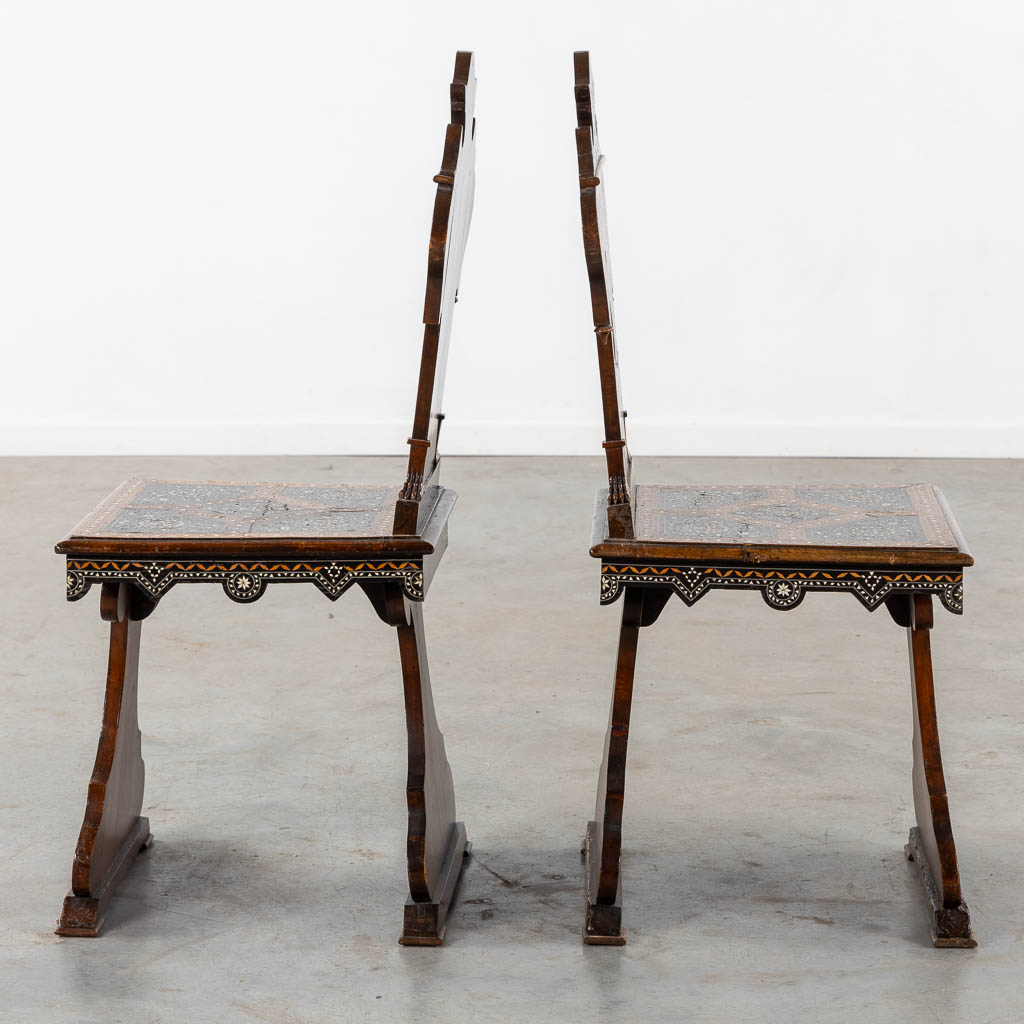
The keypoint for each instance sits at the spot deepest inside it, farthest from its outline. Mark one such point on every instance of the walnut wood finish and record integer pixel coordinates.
(931, 842)
(453, 210)
(113, 831)
(596, 250)
(885, 544)
(603, 843)
(436, 841)
(150, 535)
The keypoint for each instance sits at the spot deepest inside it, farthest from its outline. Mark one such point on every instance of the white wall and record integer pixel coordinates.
(214, 224)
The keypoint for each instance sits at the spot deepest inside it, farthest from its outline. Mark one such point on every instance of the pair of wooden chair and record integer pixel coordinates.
(896, 546)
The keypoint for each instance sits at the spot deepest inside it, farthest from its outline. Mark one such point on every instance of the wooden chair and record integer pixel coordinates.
(891, 546)
(151, 535)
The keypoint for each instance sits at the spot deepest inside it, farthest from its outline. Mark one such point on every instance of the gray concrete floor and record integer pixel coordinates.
(769, 777)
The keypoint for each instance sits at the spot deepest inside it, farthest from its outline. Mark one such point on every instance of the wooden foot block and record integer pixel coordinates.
(83, 915)
(425, 923)
(602, 925)
(951, 926)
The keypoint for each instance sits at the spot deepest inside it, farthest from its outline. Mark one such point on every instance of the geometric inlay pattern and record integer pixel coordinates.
(189, 508)
(858, 516)
(242, 581)
(784, 588)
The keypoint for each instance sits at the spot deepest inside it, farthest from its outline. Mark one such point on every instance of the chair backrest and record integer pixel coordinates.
(595, 248)
(453, 208)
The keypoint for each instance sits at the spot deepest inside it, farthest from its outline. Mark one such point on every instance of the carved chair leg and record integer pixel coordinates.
(603, 843)
(437, 842)
(931, 843)
(112, 832)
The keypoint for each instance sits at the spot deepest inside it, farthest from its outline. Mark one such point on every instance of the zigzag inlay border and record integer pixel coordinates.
(243, 581)
(784, 588)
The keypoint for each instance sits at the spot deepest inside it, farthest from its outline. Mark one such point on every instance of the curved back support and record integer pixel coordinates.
(453, 208)
(596, 251)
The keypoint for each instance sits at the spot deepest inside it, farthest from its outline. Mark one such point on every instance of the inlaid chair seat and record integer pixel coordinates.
(158, 533)
(200, 515)
(906, 524)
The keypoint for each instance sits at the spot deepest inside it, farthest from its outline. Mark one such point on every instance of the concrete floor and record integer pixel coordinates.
(769, 790)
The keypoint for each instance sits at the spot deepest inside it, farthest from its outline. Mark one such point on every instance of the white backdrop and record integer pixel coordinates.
(214, 226)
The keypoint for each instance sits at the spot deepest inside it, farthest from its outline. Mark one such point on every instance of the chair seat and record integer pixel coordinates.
(159, 533)
(799, 524)
(158, 517)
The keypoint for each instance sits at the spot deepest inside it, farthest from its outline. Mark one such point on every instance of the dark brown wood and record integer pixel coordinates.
(931, 843)
(951, 925)
(899, 608)
(453, 210)
(151, 535)
(655, 599)
(436, 842)
(619, 511)
(887, 545)
(602, 925)
(113, 831)
(603, 844)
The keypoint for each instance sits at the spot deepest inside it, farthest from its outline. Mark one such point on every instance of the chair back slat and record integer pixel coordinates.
(449, 229)
(598, 257)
